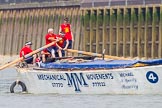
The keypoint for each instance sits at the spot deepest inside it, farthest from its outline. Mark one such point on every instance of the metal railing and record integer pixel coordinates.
(96, 3)
(88, 3)
(26, 4)
(32, 1)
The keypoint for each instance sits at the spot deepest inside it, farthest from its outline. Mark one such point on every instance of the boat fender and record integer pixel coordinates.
(19, 83)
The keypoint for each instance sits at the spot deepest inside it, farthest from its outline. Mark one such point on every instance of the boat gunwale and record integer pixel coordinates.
(34, 69)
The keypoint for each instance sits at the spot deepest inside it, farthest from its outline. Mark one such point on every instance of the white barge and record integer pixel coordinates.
(94, 77)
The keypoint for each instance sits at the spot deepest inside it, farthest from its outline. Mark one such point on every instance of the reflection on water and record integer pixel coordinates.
(7, 76)
(21, 100)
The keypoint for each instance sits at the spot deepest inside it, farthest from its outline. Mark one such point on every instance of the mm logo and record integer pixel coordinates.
(76, 80)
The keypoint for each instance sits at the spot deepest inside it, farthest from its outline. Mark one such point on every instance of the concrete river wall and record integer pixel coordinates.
(129, 31)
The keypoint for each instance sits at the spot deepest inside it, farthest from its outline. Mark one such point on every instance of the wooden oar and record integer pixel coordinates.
(28, 55)
(96, 54)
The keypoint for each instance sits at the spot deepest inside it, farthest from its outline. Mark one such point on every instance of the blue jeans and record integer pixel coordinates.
(69, 46)
(49, 49)
(29, 60)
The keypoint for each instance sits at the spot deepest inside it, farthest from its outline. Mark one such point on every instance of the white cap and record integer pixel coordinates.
(50, 30)
(28, 43)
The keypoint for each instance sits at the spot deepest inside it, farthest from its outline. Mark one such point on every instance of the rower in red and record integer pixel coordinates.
(61, 43)
(50, 37)
(26, 50)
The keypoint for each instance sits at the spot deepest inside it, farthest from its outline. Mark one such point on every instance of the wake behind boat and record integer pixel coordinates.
(79, 76)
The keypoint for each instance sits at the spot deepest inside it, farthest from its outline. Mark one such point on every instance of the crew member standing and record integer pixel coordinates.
(66, 28)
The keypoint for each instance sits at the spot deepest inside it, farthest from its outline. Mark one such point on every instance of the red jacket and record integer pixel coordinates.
(26, 50)
(61, 42)
(50, 36)
(66, 28)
